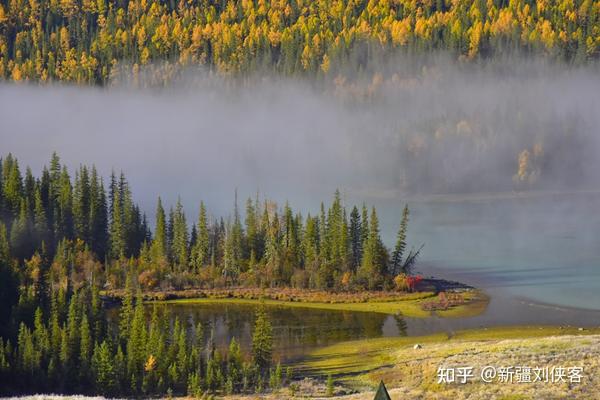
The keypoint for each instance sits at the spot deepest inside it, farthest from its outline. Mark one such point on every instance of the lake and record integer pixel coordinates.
(542, 247)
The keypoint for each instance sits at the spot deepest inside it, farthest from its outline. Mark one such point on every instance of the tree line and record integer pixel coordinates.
(54, 227)
(62, 240)
(70, 347)
(85, 41)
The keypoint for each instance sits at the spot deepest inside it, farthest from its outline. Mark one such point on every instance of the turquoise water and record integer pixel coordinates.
(545, 248)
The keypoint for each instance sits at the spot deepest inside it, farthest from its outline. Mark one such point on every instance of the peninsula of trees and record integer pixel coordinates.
(63, 240)
(85, 41)
(56, 229)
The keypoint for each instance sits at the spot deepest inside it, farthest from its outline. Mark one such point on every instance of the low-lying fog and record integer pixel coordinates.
(433, 129)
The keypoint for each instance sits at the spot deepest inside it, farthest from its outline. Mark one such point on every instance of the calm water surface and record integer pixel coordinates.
(545, 248)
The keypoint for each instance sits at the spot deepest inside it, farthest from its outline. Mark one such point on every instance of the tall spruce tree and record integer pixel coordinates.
(98, 216)
(116, 230)
(159, 244)
(180, 243)
(20, 233)
(396, 262)
(8, 283)
(81, 205)
(262, 341)
(200, 250)
(41, 232)
(355, 238)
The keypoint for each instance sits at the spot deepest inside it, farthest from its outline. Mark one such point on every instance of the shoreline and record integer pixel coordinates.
(465, 300)
(499, 295)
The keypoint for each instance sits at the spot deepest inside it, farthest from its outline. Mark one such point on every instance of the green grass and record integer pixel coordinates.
(410, 306)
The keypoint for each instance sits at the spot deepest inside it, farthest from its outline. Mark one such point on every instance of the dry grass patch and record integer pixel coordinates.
(413, 372)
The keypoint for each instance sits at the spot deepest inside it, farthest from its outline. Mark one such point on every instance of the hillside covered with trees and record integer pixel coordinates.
(86, 41)
(64, 239)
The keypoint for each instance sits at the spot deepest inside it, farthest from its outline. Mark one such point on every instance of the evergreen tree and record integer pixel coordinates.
(364, 232)
(355, 238)
(41, 232)
(117, 230)
(234, 365)
(64, 208)
(180, 238)
(8, 283)
(159, 245)
(136, 344)
(373, 263)
(396, 261)
(12, 181)
(262, 341)
(236, 235)
(98, 216)
(126, 313)
(96, 320)
(73, 338)
(81, 205)
(85, 351)
(230, 263)
(324, 244)
(170, 234)
(29, 186)
(310, 242)
(20, 233)
(201, 248)
(251, 231)
(104, 370)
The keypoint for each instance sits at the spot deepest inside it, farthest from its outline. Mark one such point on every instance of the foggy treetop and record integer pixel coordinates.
(84, 40)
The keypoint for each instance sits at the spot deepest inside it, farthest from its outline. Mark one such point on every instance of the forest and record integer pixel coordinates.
(93, 41)
(63, 241)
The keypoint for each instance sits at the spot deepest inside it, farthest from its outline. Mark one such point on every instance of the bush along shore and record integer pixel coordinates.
(431, 297)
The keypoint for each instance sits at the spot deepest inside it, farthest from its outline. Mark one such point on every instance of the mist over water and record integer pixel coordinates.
(411, 134)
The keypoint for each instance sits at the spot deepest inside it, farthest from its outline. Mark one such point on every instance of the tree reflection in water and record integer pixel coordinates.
(295, 330)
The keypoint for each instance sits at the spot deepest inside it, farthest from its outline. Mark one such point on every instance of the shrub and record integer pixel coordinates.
(401, 282)
(330, 387)
(407, 283)
(413, 282)
(444, 301)
(149, 279)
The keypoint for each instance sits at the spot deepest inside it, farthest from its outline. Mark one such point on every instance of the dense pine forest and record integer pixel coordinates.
(90, 41)
(63, 240)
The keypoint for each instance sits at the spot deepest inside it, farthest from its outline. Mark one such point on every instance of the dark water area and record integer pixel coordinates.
(296, 331)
